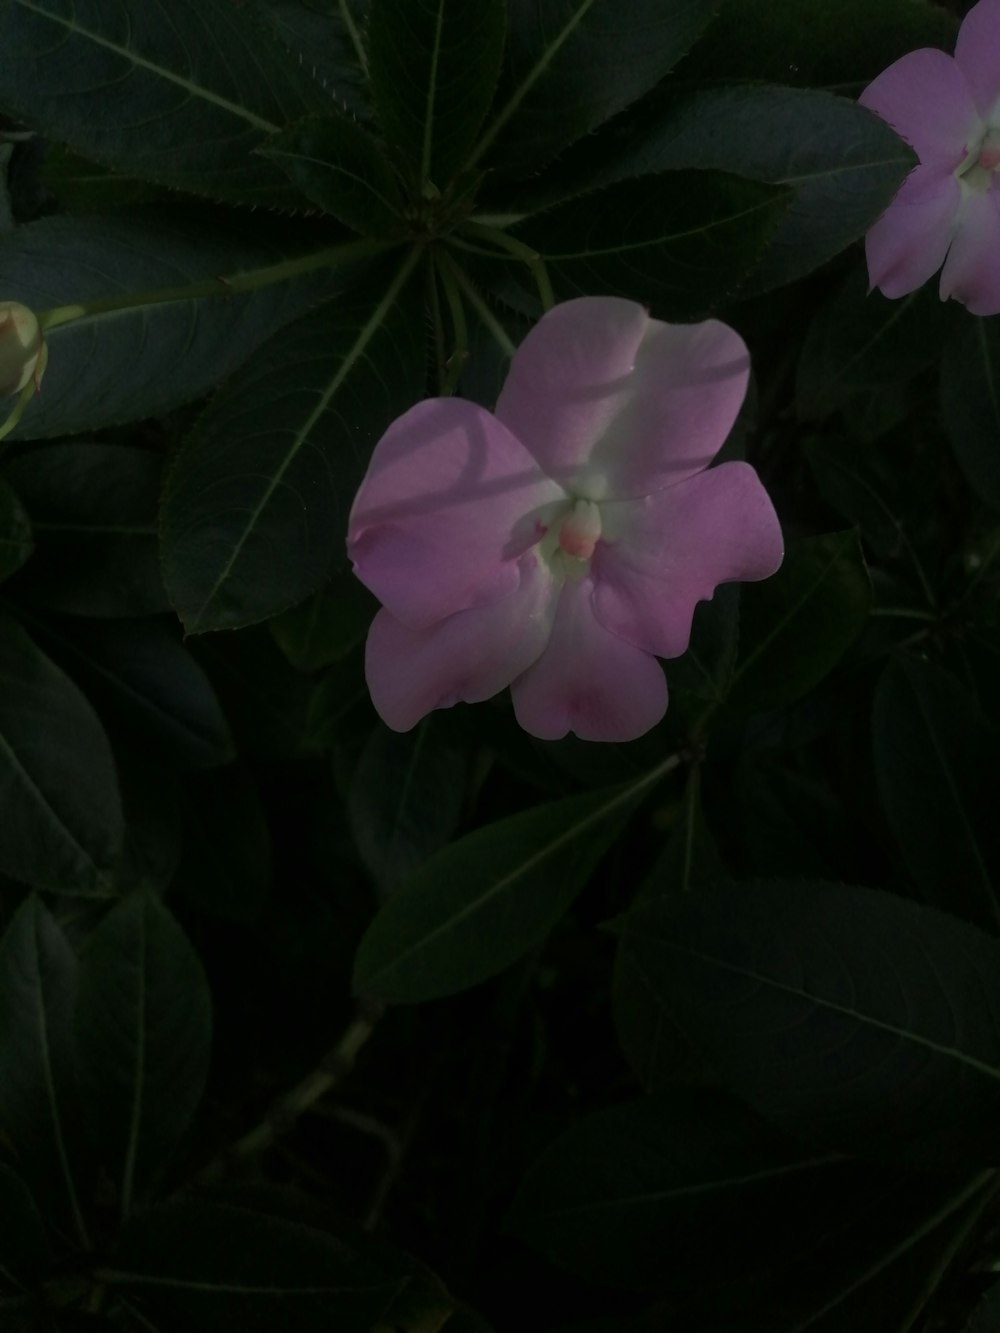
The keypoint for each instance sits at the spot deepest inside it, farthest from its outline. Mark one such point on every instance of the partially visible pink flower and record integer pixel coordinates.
(948, 209)
(560, 544)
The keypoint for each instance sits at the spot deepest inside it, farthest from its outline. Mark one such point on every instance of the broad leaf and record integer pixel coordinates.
(480, 904)
(986, 1316)
(434, 66)
(680, 241)
(15, 532)
(970, 404)
(38, 1114)
(201, 1265)
(405, 799)
(326, 626)
(255, 513)
(706, 668)
(342, 168)
(24, 1249)
(937, 763)
(327, 37)
(112, 366)
(572, 64)
(796, 625)
(93, 507)
(143, 1028)
(852, 1018)
(197, 86)
(844, 163)
(62, 824)
(861, 340)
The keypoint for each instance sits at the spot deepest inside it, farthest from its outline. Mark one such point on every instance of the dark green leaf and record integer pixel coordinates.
(123, 365)
(863, 485)
(94, 510)
(82, 186)
(480, 904)
(970, 404)
(24, 1249)
(38, 983)
(255, 514)
(15, 532)
(680, 241)
(796, 625)
(855, 1019)
(572, 64)
(180, 94)
(843, 163)
(151, 797)
(226, 868)
(204, 1266)
(434, 66)
(405, 799)
(706, 668)
(326, 626)
(937, 762)
(62, 824)
(862, 340)
(343, 169)
(143, 1029)
(986, 1316)
(326, 37)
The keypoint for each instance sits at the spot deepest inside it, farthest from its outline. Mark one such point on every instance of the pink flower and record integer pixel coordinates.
(948, 209)
(557, 545)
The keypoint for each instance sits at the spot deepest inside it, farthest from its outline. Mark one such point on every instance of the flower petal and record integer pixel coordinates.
(670, 551)
(977, 54)
(972, 270)
(450, 500)
(615, 404)
(466, 657)
(924, 96)
(908, 243)
(587, 680)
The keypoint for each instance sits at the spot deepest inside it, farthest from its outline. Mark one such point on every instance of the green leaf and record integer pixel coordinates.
(937, 762)
(862, 340)
(434, 66)
(181, 95)
(38, 982)
(844, 163)
(864, 486)
(94, 508)
(646, 1195)
(405, 799)
(573, 64)
(150, 685)
(255, 513)
(143, 1029)
(480, 904)
(24, 1249)
(82, 186)
(15, 532)
(796, 625)
(680, 240)
(326, 626)
(970, 404)
(326, 37)
(62, 825)
(201, 1266)
(986, 1316)
(706, 668)
(343, 169)
(857, 1020)
(112, 366)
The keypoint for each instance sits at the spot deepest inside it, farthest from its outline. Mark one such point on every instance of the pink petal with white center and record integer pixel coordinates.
(972, 270)
(977, 54)
(466, 657)
(670, 551)
(450, 501)
(587, 680)
(924, 96)
(908, 243)
(615, 404)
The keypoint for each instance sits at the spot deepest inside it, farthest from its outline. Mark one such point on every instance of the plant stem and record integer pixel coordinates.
(456, 310)
(453, 273)
(497, 236)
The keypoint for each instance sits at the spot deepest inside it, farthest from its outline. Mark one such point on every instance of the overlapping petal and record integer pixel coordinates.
(924, 96)
(614, 404)
(669, 551)
(466, 657)
(908, 243)
(972, 270)
(977, 55)
(450, 501)
(588, 680)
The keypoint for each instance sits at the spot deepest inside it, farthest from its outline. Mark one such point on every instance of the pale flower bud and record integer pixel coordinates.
(21, 348)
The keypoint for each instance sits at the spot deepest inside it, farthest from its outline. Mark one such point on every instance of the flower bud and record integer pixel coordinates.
(21, 348)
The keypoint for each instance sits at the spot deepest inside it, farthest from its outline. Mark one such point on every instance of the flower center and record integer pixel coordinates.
(568, 544)
(977, 170)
